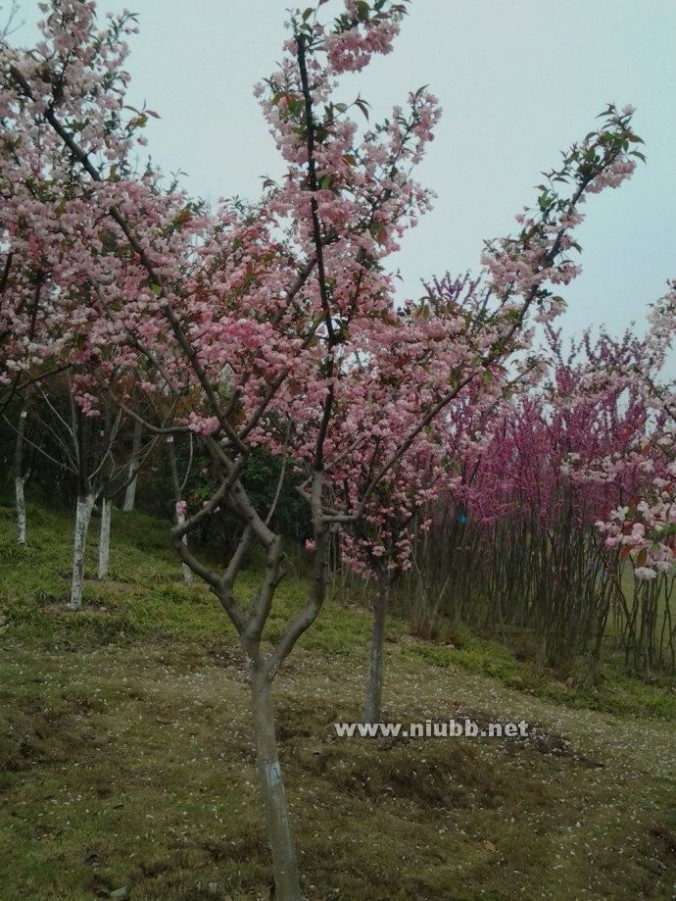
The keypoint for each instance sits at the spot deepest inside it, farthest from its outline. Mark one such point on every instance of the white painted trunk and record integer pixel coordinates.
(20, 510)
(285, 866)
(20, 480)
(134, 466)
(83, 514)
(104, 537)
(130, 493)
(180, 519)
(374, 680)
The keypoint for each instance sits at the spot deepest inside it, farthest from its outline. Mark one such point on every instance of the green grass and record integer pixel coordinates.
(614, 693)
(126, 755)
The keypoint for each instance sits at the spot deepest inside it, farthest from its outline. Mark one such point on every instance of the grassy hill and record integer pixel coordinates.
(126, 758)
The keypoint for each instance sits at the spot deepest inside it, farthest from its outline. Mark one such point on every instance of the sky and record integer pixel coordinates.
(518, 80)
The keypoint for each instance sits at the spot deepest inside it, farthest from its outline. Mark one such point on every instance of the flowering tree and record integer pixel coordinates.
(262, 325)
(645, 526)
(460, 335)
(514, 537)
(642, 527)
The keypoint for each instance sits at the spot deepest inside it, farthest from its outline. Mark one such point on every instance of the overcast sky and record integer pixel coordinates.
(519, 80)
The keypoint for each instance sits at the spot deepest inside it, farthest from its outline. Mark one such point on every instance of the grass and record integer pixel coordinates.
(615, 692)
(126, 757)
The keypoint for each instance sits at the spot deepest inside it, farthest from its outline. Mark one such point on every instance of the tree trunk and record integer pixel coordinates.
(20, 481)
(374, 680)
(287, 881)
(180, 519)
(180, 505)
(134, 463)
(104, 538)
(20, 510)
(83, 513)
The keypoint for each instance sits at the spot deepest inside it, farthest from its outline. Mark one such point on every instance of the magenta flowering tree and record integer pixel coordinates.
(270, 324)
(512, 539)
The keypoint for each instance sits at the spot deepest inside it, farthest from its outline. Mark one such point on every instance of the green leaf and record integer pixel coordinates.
(363, 10)
(363, 106)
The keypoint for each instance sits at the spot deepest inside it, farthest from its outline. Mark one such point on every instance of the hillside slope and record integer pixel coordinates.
(126, 757)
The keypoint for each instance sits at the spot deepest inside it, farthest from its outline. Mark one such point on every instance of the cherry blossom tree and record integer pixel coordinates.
(466, 332)
(269, 324)
(642, 527)
(645, 526)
